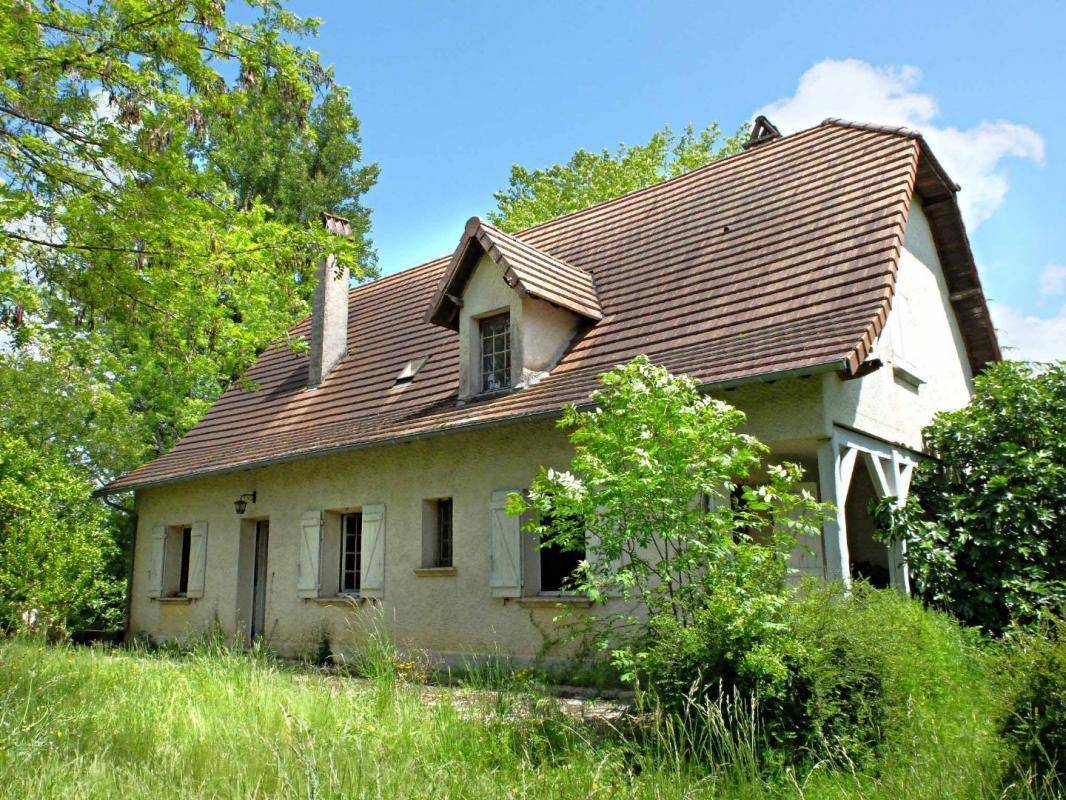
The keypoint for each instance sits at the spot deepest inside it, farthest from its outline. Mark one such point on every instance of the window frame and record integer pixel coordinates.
(506, 351)
(444, 533)
(183, 563)
(356, 571)
(561, 591)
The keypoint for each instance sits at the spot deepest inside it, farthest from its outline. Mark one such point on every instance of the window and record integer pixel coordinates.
(495, 353)
(558, 567)
(437, 533)
(177, 561)
(351, 553)
(183, 573)
(176, 554)
(443, 549)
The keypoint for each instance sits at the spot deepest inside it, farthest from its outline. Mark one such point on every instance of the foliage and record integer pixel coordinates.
(538, 195)
(1035, 721)
(215, 723)
(298, 165)
(136, 250)
(702, 584)
(985, 526)
(646, 452)
(54, 544)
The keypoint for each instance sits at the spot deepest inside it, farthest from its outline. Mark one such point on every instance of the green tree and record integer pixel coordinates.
(644, 456)
(985, 524)
(126, 255)
(535, 196)
(54, 544)
(297, 164)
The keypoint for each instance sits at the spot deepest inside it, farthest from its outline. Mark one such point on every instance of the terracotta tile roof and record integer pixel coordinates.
(779, 259)
(525, 268)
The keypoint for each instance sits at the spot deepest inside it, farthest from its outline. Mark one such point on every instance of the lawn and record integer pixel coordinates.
(88, 723)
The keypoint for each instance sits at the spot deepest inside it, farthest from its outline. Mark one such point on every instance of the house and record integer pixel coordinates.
(822, 282)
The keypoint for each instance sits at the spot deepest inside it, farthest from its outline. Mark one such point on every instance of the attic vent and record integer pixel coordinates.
(408, 373)
(762, 131)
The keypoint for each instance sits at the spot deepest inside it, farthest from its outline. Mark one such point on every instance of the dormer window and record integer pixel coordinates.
(517, 310)
(495, 353)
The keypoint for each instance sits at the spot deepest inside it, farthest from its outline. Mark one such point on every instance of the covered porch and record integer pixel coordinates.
(853, 469)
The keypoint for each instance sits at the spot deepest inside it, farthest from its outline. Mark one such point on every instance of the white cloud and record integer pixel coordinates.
(1052, 281)
(1027, 337)
(855, 90)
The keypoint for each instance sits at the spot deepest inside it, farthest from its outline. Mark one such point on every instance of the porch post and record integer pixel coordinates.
(835, 529)
(897, 553)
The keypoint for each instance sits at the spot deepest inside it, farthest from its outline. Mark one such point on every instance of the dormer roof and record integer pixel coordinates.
(527, 270)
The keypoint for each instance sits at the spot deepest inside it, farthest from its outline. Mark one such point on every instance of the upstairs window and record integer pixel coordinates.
(495, 353)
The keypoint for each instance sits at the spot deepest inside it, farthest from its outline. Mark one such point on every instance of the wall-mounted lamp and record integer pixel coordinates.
(240, 505)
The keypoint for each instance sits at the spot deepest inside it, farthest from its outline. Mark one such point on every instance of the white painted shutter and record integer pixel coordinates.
(157, 554)
(197, 559)
(505, 548)
(808, 556)
(372, 583)
(310, 547)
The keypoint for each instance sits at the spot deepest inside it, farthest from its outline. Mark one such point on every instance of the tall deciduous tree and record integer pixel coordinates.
(537, 195)
(297, 164)
(161, 171)
(141, 254)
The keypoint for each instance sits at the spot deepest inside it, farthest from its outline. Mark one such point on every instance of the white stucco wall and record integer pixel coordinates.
(884, 404)
(452, 614)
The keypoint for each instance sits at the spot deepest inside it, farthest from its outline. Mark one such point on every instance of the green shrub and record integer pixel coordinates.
(985, 525)
(830, 677)
(55, 545)
(1035, 719)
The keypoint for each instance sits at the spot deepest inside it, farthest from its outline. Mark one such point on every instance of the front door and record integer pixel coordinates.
(259, 578)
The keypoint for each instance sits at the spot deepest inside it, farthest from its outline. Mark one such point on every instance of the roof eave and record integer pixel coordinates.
(836, 365)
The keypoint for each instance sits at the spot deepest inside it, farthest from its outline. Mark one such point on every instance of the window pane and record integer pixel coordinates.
(351, 552)
(443, 555)
(495, 352)
(558, 566)
(186, 546)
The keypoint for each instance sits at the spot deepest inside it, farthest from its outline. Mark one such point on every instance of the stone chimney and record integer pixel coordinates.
(329, 310)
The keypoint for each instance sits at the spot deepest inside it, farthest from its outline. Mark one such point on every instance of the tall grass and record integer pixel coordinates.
(223, 724)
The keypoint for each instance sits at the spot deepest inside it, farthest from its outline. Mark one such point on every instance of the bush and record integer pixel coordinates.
(986, 523)
(836, 677)
(1035, 722)
(54, 544)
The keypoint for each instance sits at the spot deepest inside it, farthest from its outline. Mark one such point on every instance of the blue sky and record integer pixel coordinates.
(452, 94)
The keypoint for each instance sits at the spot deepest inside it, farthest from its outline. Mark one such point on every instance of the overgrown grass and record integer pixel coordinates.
(216, 723)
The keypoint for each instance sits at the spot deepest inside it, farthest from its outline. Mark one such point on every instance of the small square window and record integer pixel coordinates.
(495, 353)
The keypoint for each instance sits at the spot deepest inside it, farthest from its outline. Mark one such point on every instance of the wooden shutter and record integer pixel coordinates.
(808, 556)
(156, 560)
(373, 551)
(310, 548)
(505, 548)
(197, 559)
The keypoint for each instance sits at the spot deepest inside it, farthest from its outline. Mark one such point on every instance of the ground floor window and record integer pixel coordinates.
(558, 566)
(351, 552)
(443, 549)
(183, 569)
